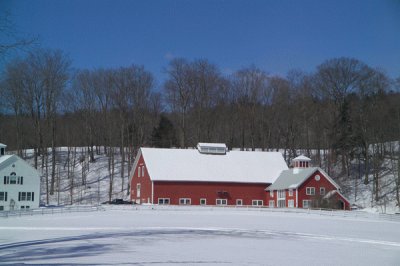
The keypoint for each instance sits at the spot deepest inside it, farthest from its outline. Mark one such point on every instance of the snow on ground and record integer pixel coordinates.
(192, 236)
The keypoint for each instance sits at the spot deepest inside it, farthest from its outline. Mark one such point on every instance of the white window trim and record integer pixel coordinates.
(272, 193)
(239, 201)
(186, 201)
(205, 201)
(257, 202)
(271, 205)
(290, 193)
(290, 203)
(221, 204)
(138, 188)
(143, 171)
(308, 204)
(139, 171)
(310, 191)
(163, 199)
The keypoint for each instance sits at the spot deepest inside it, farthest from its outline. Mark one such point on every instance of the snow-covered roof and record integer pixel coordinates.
(301, 158)
(3, 145)
(4, 158)
(288, 179)
(234, 166)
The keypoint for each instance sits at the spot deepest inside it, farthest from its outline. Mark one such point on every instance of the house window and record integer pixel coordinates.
(184, 201)
(13, 178)
(291, 203)
(203, 202)
(306, 204)
(322, 191)
(28, 196)
(239, 202)
(290, 192)
(163, 201)
(142, 171)
(139, 171)
(221, 202)
(317, 177)
(257, 203)
(1, 208)
(272, 193)
(310, 191)
(3, 196)
(23, 196)
(271, 204)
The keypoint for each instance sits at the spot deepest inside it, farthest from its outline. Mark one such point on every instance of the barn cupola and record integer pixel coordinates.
(212, 148)
(2, 149)
(299, 163)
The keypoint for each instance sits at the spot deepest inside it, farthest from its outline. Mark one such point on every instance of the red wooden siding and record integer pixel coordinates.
(144, 181)
(311, 182)
(210, 191)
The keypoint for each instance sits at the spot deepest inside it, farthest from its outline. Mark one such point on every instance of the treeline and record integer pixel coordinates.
(344, 107)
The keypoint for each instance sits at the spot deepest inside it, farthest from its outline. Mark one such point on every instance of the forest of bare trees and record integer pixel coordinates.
(346, 114)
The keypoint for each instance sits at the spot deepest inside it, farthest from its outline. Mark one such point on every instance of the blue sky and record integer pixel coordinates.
(276, 36)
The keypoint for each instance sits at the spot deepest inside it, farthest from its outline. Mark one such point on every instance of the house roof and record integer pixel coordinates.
(287, 179)
(3, 145)
(191, 165)
(6, 160)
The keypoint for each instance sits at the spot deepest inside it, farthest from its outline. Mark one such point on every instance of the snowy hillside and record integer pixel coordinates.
(193, 236)
(89, 182)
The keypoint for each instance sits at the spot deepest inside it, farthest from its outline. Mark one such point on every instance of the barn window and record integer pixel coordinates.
(163, 201)
(306, 204)
(281, 194)
(271, 204)
(221, 202)
(185, 201)
(322, 191)
(203, 201)
(310, 191)
(239, 202)
(257, 203)
(290, 192)
(138, 186)
(291, 203)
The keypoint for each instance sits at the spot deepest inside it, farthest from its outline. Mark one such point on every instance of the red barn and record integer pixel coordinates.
(208, 175)
(212, 175)
(305, 187)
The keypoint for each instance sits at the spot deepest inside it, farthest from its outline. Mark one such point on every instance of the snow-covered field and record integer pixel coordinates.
(192, 236)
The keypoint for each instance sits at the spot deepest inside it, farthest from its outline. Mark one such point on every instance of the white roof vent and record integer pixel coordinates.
(212, 148)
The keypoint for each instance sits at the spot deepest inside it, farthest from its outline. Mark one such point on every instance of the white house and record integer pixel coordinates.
(19, 183)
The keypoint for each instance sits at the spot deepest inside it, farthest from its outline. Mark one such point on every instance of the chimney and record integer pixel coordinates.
(299, 163)
(2, 149)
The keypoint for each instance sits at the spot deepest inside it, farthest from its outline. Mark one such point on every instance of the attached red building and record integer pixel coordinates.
(305, 187)
(212, 175)
(208, 175)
